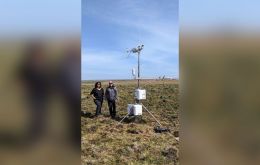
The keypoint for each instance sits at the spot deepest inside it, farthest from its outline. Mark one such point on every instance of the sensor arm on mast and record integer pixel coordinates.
(138, 51)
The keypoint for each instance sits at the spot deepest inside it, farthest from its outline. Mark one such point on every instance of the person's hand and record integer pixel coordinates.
(93, 97)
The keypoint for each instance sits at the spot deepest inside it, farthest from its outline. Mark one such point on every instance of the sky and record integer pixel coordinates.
(242, 14)
(111, 27)
(39, 17)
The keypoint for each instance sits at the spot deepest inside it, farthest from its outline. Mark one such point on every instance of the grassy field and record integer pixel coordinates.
(104, 141)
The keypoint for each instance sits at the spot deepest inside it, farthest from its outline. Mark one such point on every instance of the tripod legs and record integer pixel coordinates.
(151, 115)
(147, 111)
(123, 119)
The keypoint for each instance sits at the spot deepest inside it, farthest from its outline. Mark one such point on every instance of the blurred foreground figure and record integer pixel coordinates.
(69, 86)
(34, 76)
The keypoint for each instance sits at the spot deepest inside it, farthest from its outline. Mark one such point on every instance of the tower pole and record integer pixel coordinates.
(138, 80)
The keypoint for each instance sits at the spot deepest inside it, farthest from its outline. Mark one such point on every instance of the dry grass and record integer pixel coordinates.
(104, 141)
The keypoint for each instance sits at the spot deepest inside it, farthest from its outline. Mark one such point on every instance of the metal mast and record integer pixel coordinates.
(138, 83)
(138, 51)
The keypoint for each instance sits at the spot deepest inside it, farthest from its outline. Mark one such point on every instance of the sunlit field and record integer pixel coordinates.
(105, 141)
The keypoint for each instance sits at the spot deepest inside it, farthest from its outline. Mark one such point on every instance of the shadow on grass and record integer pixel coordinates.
(127, 120)
(87, 114)
(131, 119)
(106, 115)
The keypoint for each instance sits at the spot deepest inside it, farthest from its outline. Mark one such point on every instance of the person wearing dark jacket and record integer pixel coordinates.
(111, 97)
(97, 94)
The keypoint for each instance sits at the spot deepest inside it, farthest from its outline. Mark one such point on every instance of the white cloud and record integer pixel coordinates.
(105, 64)
(152, 23)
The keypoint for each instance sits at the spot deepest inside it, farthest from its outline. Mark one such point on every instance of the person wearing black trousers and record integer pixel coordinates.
(97, 94)
(111, 97)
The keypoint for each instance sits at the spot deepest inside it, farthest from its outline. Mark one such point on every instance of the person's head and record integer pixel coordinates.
(98, 84)
(110, 83)
(35, 53)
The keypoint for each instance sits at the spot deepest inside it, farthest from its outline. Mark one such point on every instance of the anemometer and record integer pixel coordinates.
(140, 94)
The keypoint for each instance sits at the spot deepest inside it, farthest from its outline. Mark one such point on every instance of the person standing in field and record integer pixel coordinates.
(111, 97)
(97, 94)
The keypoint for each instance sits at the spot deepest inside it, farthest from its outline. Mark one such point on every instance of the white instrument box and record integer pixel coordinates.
(134, 109)
(140, 94)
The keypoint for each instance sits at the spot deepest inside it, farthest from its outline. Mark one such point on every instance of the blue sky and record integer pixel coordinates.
(243, 14)
(39, 17)
(110, 27)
